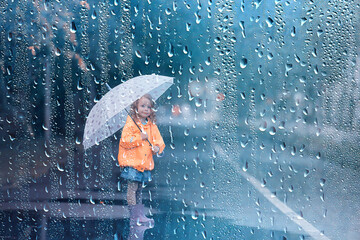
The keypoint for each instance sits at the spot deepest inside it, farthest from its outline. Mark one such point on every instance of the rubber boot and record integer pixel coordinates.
(137, 232)
(137, 216)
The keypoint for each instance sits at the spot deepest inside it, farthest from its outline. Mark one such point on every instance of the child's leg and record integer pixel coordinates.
(132, 188)
(139, 194)
(136, 208)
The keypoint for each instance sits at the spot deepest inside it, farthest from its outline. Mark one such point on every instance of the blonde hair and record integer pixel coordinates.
(134, 105)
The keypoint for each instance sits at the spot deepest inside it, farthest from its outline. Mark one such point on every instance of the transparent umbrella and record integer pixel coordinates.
(110, 113)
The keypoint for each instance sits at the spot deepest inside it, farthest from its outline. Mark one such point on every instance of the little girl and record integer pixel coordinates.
(135, 154)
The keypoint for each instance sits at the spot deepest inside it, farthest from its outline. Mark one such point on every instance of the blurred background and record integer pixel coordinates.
(262, 125)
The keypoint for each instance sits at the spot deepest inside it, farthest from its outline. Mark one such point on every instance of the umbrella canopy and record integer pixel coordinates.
(109, 114)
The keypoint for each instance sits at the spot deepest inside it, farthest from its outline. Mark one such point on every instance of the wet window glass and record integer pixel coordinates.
(205, 119)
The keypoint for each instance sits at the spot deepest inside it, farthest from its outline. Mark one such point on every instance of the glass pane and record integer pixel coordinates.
(261, 123)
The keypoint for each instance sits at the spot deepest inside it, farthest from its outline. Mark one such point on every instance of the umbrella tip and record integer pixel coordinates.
(107, 85)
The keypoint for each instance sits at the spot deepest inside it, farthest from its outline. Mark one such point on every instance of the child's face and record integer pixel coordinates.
(144, 108)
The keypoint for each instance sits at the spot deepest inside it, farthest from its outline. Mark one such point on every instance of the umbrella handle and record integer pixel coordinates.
(137, 126)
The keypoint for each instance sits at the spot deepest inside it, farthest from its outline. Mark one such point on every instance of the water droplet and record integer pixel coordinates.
(214, 153)
(57, 52)
(168, 11)
(92, 67)
(126, 8)
(147, 60)
(242, 25)
(94, 15)
(243, 62)
(263, 184)
(59, 167)
(302, 79)
(79, 86)
(316, 69)
(198, 102)
(8, 70)
(257, 3)
(244, 143)
(208, 61)
(158, 63)
(196, 160)
(314, 52)
(272, 131)
(246, 166)
(270, 56)
(46, 209)
(262, 146)
(325, 213)
(322, 182)
(242, 95)
(273, 119)
(282, 146)
(171, 50)
(194, 214)
(10, 36)
(319, 32)
(198, 17)
(12, 138)
(263, 126)
(262, 113)
(186, 132)
(188, 26)
(302, 148)
(257, 202)
(45, 128)
(73, 27)
(293, 32)
(138, 53)
(288, 67)
(91, 200)
(186, 176)
(269, 22)
(303, 21)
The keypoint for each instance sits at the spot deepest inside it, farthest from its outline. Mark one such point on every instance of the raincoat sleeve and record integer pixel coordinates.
(130, 136)
(157, 139)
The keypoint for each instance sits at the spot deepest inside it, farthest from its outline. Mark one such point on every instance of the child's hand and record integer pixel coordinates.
(155, 149)
(143, 135)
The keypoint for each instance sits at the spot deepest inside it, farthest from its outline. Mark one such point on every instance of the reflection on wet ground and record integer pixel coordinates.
(95, 215)
(189, 199)
(38, 224)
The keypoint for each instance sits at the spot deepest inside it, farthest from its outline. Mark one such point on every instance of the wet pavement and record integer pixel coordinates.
(193, 196)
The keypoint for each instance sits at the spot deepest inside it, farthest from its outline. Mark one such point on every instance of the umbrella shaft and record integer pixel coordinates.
(137, 126)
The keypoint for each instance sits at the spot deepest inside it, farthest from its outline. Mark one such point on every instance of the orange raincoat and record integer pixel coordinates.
(135, 152)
